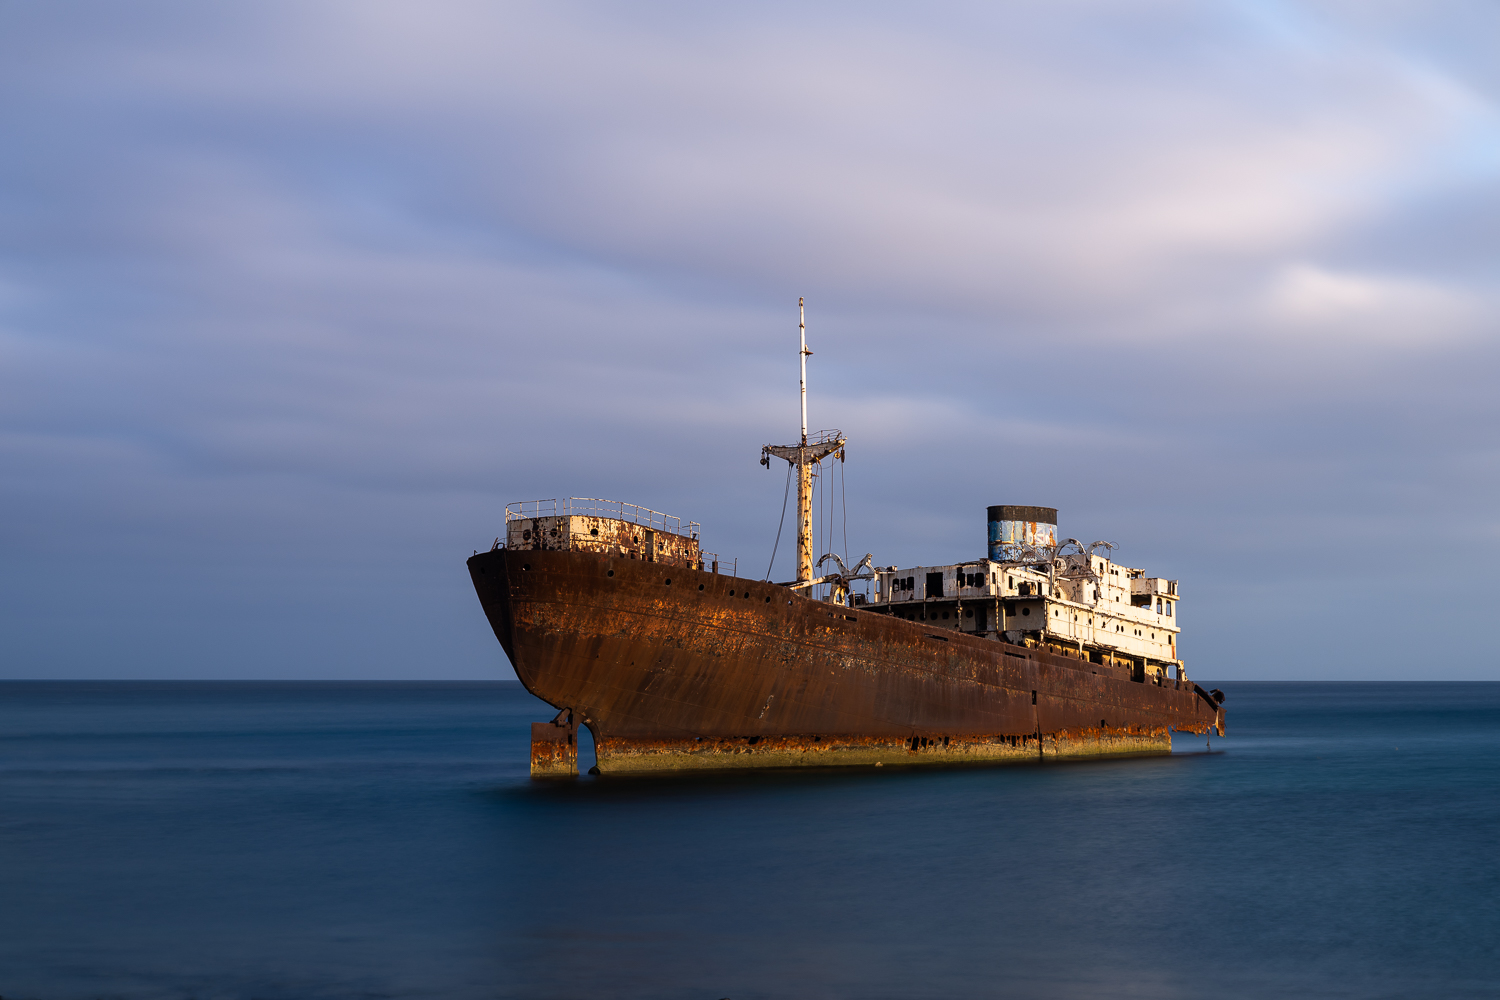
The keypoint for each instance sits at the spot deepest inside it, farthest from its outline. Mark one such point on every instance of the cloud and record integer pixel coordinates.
(289, 288)
(1369, 310)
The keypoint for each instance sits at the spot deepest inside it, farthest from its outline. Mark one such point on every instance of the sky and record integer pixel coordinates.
(295, 297)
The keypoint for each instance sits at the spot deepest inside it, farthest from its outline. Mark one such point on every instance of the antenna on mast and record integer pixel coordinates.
(802, 329)
(803, 457)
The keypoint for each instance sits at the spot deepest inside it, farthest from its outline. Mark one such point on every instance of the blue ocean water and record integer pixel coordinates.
(340, 840)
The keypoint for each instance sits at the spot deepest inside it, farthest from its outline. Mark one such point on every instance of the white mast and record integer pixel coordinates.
(804, 456)
(802, 329)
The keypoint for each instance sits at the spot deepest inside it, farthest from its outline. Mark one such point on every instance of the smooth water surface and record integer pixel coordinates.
(279, 841)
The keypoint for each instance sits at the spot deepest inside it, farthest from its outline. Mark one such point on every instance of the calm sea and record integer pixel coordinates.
(334, 840)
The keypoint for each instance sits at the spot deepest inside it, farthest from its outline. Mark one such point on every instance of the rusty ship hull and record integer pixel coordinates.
(674, 667)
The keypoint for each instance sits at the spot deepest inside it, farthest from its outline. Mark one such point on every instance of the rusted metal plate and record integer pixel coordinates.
(554, 747)
(660, 660)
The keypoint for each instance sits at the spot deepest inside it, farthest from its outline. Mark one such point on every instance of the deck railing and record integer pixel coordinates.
(595, 507)
(709, 562)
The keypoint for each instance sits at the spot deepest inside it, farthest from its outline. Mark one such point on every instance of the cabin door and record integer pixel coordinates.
(650, 537)
(981, 618)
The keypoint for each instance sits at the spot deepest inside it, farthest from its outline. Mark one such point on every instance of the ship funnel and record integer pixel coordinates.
(1013, 530)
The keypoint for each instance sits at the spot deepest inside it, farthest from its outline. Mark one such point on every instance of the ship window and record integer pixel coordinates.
(1025, 611)
(594, 532)
(526, 535)
(1169, 609)
(669, 581)
(610, 573)
(700, 586)
(969, 613)
(945, 616)
(731, 593)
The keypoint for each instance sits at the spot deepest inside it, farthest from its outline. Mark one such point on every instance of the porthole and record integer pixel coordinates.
(731, 593)
(669, 581)
(553, 532)
(526, 535)
(768, 599)
(1025, 611)
(700, 586)
(610, 573)
(969, 613)
(526, 568)
(594, 532)
(945, 616)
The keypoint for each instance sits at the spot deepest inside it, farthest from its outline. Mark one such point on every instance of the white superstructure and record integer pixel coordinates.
(1069, 597)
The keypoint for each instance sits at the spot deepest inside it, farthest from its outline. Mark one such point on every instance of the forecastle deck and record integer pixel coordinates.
(671, 667)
